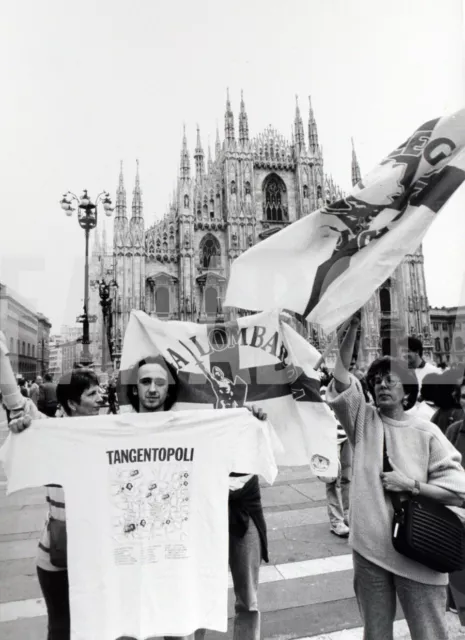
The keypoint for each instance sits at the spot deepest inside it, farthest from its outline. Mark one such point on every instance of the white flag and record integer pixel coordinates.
(327, 265)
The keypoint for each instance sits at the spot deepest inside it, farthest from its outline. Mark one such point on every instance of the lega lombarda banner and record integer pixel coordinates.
(256, 360)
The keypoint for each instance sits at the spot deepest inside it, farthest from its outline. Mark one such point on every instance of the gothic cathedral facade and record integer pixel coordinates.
(179, 267)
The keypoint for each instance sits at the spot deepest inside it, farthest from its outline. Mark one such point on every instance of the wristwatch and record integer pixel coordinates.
(416, 488)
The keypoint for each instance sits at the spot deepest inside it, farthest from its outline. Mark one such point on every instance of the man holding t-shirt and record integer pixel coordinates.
(152, 386)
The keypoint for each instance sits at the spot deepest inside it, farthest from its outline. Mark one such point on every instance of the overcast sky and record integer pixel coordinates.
(85, 85)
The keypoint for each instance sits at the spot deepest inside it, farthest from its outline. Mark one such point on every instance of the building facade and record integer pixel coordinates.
(448, 332)
(247, 190)
(27, 333)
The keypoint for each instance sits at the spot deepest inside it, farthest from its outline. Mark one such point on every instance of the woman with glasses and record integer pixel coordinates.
(424, 463)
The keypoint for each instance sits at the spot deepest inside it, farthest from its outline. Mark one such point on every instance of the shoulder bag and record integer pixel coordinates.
(58, 542)
(426, 531)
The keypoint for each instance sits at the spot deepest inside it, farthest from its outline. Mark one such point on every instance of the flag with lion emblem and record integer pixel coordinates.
(255, 360)
(327, 265)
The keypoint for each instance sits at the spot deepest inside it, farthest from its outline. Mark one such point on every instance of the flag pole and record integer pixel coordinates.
(332, 344)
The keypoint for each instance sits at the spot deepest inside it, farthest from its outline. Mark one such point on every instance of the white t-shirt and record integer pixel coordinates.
(147, 512)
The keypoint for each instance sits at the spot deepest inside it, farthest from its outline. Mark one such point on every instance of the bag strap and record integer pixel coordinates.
(395, 498)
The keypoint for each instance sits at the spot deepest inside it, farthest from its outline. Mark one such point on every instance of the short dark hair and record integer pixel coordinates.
(48, 377)
(387, 364)
(127, 383)
(413, 344)
(72, 385)
(430, 387)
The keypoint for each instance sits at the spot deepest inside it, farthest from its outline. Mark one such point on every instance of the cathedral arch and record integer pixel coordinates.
(211, 301)
(275, 198)
(210, 252)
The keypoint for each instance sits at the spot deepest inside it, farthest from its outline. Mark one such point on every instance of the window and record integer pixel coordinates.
(437, 344)
(444, 326)
(162, 301)
(446, 344)
(435, 326)
(28, 349)
(385, 301)
(458, 342)
(210, 252)
(23, 350)
(233, 187)
(247, 188)
(211, 301)
(275, 198)
(186, 201)
(305, 190)
(33, 351)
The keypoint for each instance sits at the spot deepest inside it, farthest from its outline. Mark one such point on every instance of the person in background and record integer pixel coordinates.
(34, 391)
(412, 352)
(112, 396)
(338, 489)
(427, 406)
(48, 403)
(456, 434)
(423, 463)
(23, 387)
(449, 407)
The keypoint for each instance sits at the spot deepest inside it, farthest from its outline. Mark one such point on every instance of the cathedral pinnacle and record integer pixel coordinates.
(299, 127)
(356, 175)
(312, 129)
(185, 162)
(243, 123)
(199, 157)
(121, 195)
(217, 143)
(228, 121)
(137, 196)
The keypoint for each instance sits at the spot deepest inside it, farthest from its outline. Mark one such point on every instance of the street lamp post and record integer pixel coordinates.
(87, 218)
(105, 289)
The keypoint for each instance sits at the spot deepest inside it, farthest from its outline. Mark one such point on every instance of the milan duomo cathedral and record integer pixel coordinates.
(178, 268)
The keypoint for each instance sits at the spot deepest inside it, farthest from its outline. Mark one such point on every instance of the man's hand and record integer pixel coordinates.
(20, 419)
(257, 412)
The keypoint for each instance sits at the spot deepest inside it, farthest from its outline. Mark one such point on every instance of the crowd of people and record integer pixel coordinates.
(416, 409)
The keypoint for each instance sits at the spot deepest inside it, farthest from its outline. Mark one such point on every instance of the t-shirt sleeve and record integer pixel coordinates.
(30, 459)
(252, 450)
(445, 465)
(350, 408)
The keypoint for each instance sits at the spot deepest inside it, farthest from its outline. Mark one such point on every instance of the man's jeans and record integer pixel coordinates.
(245, 556)
(337, 492)
(424, 605)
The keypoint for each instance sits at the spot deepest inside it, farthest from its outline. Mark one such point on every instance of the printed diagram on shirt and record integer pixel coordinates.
(151, 503)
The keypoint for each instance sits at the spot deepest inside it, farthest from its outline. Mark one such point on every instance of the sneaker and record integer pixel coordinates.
(340, 529)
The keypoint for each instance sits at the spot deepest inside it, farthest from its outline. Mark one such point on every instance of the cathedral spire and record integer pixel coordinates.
(121, 195)
(199, 157)
(356, 175)
(185, 161)
(217, 143)
(312, 129)
(210, 162)
(243, 123)
(228, 121)
(137, 196)
(299, 127)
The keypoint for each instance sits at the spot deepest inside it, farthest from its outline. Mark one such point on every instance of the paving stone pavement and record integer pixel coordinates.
(306, 590)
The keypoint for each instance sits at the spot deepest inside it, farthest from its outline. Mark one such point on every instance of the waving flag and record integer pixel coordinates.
(255, 360)
(327, 265)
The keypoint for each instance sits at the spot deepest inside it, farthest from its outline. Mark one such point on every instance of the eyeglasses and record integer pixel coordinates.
(391, 381)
